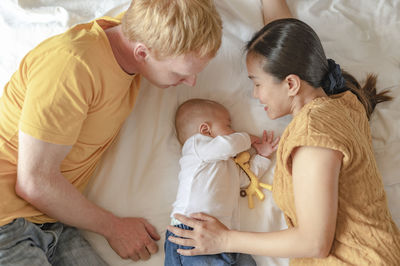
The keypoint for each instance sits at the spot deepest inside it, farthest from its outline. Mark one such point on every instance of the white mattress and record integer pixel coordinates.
(138, 175)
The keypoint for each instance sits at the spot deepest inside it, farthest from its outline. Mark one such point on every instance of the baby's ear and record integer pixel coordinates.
(205, 129)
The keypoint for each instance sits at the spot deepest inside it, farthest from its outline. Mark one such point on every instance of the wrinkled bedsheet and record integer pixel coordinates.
(138, 174)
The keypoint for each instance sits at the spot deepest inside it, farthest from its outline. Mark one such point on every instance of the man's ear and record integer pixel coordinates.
(205, 129)
(141, 52)
(294, 83)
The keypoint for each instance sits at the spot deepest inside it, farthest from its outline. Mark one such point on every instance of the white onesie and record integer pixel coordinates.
(209, 179)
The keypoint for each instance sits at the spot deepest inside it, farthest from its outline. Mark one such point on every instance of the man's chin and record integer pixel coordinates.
(163, 86)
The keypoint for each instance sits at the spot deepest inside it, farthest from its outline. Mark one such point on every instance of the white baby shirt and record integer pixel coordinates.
(209, 179)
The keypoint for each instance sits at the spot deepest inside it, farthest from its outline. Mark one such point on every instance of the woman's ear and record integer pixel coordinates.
(294, 83)
(205, 129)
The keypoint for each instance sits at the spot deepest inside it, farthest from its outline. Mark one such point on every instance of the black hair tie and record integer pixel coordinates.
(333, 82)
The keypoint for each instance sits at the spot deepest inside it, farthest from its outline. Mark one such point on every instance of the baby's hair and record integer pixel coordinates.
(191, 113)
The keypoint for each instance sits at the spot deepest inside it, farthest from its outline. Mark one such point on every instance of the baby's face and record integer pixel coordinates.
(221, 124)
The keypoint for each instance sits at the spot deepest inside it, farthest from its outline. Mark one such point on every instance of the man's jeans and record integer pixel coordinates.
(26, 243)
(172, 258)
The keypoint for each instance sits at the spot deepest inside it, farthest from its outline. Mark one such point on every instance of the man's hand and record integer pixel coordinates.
(41, 183)
(133, 238)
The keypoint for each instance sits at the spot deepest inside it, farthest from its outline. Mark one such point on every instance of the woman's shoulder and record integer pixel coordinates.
(329, 114)
(335, 122)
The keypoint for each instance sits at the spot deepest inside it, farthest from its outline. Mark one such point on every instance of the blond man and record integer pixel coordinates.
(62, 109)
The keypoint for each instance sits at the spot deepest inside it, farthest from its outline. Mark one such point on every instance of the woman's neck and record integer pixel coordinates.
(306, 94)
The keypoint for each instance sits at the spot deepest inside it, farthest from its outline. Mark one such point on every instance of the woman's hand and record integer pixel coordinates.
(209, 235)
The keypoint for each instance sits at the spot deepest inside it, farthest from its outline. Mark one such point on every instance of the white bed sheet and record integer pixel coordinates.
(138, 175)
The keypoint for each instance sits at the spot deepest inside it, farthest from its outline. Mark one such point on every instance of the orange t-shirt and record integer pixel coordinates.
(68, 90)
(365, 231)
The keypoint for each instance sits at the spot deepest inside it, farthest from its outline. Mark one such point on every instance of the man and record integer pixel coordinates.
(63, 108)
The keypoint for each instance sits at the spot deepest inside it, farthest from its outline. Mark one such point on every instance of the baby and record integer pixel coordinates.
(209, 180)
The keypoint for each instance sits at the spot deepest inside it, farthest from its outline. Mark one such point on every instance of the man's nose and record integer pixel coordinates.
(191, 81)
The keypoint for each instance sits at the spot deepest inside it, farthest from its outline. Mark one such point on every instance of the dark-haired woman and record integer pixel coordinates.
(326, 179)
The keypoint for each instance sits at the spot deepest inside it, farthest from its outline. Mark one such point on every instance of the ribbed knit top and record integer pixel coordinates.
(365, 232)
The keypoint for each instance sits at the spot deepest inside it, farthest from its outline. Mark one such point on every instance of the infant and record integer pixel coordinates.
(209, 179)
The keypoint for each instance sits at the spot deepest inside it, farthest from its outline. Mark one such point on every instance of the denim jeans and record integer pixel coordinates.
(26, 243)
(172, 258)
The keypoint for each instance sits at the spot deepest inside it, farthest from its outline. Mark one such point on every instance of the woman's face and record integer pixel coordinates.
(271, 92)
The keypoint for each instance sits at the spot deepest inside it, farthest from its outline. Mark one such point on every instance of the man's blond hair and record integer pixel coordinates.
(174, 27)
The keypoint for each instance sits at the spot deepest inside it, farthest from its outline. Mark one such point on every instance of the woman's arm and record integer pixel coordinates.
(315, 180)
(275, 9)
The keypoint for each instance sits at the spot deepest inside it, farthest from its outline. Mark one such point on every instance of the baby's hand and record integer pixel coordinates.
(254, 139)
(267, 144)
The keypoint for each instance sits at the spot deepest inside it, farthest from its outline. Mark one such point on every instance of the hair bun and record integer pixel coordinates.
(333, 83)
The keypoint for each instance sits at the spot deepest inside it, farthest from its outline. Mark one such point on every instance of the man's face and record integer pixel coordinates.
(172, 71)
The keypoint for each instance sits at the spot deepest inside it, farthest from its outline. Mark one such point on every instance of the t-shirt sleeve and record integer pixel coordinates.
(319, 133)
(57, 99)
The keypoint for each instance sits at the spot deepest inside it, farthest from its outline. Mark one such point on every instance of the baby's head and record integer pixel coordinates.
(202, 116)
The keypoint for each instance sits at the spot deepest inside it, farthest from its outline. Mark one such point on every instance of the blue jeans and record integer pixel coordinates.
(26, 243)
(172, 258)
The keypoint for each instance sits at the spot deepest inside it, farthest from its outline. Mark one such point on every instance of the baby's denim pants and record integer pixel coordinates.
(172, 258)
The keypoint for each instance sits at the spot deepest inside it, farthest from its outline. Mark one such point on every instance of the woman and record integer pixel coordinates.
(326, 179)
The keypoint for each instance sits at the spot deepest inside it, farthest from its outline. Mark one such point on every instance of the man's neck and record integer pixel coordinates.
(122, 49)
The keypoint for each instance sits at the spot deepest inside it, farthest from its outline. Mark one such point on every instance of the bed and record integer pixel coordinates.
(138, 174)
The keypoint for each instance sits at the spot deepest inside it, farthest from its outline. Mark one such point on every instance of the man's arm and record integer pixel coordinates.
(41, 183)
(275, 9)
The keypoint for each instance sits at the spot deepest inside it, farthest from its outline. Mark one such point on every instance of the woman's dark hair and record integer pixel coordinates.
(290, 46)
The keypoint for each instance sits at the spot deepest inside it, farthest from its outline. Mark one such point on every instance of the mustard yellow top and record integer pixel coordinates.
(68, 90)
(365, 232)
